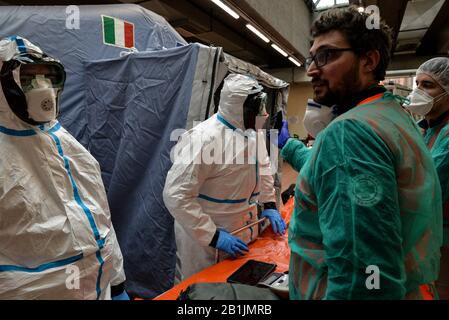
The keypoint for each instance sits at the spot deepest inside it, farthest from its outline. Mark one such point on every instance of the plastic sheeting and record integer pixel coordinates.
(268, 248)
(236, 65)
(133, 105)
(49, 27)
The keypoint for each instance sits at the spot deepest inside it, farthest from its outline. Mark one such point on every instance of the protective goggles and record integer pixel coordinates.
(52, 71)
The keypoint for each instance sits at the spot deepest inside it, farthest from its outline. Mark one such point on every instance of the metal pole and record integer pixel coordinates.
(248, 226)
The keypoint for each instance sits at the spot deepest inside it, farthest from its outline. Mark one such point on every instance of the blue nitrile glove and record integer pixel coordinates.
(277, 223)
(284, 135)
(121, 296)
(230, 244)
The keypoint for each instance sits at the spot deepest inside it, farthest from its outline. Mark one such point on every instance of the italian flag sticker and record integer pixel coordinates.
(117, 32)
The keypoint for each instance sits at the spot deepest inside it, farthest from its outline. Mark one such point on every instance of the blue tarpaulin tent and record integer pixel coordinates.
(137, 102)
(50, 28)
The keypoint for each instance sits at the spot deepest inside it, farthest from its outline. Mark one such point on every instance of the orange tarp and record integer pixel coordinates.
(268, 248)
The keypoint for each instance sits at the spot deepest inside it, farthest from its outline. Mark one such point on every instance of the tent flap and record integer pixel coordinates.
(134, 103)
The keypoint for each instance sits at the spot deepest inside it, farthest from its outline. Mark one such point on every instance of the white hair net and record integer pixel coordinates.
(438, 69)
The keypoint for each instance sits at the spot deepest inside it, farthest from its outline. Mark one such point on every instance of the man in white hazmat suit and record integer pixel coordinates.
(56, 236)
(211, 199)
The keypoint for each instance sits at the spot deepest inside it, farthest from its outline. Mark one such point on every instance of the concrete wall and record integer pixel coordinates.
(296, 107)
(407, 62)
(291, 18)
(290, 75)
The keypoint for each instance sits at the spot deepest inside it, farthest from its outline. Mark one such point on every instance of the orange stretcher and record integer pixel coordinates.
(268, 248)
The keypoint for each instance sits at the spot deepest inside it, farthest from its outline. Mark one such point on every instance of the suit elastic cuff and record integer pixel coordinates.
(118, 289)
(269, 205)
(213, 243)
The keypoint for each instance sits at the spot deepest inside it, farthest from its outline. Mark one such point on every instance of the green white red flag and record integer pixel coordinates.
(118, 32)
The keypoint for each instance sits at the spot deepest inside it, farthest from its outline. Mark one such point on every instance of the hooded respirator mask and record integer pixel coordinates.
(254, 111)
(32, 86)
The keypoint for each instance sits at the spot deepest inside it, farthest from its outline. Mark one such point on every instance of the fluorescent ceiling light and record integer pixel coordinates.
(325, 4)
(226, 8)
(275, 47)
(297, 63)
(258, 33)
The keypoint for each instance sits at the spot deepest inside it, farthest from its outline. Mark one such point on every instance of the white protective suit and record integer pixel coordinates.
(203, 197)
(55, 222)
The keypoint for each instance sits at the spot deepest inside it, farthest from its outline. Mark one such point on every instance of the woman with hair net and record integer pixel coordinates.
(211, 198)
(56, 236)
(431, 100)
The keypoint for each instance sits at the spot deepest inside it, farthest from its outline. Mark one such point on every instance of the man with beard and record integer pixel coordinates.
(367, 222)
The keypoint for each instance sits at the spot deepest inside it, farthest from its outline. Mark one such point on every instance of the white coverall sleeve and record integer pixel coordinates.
(182, 187)
(118, 273)
(267, 191)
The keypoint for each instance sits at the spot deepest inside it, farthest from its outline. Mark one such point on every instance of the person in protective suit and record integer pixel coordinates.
(56, 236)
(431, 100)
(211, 198)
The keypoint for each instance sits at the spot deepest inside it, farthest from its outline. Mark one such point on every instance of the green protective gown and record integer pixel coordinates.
(367, 203)
(437, 140)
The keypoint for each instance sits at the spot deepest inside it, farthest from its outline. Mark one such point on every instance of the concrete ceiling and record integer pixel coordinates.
(421, 27)
(197, 21)
(202, 21)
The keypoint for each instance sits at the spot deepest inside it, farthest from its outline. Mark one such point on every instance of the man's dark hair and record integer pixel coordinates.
(353, 25)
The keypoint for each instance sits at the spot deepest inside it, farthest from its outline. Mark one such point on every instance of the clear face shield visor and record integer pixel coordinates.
(38, 74)
(254, 110)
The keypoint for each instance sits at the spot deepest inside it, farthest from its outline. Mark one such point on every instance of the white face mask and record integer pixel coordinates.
(317, 118)
(421, 103)
(41, 100)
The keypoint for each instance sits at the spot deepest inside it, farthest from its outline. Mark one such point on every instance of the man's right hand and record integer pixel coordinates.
(230, 244)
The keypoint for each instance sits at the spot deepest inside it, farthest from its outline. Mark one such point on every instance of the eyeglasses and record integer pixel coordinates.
(321, 58)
